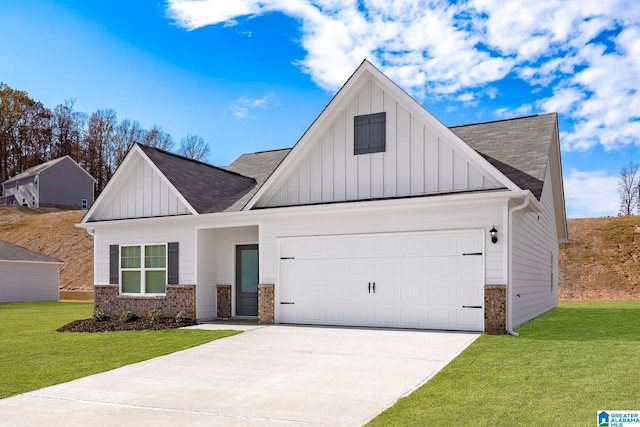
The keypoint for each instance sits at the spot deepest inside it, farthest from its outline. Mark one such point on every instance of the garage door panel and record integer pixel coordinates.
(422, 280)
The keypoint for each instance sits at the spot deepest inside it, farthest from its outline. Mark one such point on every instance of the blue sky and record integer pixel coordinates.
(250, 75)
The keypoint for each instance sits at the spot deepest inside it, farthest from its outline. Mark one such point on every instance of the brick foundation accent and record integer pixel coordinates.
(178, 298)
(265, 304)
(495, 309)
(223, 293)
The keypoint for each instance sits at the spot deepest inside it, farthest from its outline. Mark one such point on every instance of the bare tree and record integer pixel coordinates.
(194, 147)
(158, 138)
(628, 189)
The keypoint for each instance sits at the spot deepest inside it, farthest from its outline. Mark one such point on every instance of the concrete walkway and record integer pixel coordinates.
(268, 375)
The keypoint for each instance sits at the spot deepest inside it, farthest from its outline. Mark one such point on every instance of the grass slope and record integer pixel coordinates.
(33, 355)
(564, 367)
(52, 233)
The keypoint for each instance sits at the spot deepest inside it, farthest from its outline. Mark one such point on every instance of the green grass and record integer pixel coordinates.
(562, 369)
(33, 355)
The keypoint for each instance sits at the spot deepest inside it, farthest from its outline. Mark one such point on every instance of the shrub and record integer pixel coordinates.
(99, 316)
(183, 318)
(128, 316)
(155, 314)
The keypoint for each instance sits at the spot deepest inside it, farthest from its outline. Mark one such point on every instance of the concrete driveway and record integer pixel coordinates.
(270, 375)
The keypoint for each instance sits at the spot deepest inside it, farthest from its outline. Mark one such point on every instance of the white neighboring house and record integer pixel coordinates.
(380, 215)
(60, 182)
(26, 275)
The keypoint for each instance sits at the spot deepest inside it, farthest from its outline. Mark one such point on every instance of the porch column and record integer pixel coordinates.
(223, 301)
(265, 304)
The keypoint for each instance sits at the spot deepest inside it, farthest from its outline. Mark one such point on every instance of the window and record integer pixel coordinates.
(369, 133)
(143, 269)
(84, 203)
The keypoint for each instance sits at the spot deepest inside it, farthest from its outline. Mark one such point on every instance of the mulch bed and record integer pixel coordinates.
(90, 325)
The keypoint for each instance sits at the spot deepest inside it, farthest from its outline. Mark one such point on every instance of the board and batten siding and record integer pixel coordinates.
(143, 193)
(28, 281)
(135, 234)
(418, 160)
(473, 216)
(535, 260)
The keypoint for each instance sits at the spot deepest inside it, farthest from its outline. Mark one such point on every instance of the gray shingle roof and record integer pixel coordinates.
(259, 166)
(35, 170)
(207, 188)
(11, 252)
(519, 148)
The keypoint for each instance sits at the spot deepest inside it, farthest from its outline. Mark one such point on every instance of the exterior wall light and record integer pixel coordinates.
(494, 234)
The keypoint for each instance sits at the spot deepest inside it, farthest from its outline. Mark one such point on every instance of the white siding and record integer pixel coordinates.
(216, 264)
(140, 193)
(418, 160)
(26, 281)
(535, 258)
(141, 233)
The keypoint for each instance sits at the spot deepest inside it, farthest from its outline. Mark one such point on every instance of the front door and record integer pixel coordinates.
(247, 280)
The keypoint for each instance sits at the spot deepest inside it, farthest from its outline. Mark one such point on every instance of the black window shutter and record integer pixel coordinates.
(369, 133)
(172, 263)
(114, 264)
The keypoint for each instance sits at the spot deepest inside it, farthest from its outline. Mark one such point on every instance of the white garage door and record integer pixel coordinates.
(432, 280)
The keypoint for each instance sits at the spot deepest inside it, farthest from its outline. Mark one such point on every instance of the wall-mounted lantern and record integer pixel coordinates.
(494, 235)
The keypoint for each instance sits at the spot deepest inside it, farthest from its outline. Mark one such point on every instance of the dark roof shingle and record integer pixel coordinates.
(11, 252)
(519, 148)
(259, 166)
(207, 188)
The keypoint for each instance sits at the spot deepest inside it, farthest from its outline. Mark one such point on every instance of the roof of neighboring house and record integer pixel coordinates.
(11, 252)
(519, 148)
(35, 170)
(207, 188)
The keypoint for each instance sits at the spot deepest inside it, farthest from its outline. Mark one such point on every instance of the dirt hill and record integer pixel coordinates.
(51, 232)
(601, 260)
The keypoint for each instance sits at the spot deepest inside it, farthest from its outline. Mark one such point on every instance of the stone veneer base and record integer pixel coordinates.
(495, 313)
(223, 304)
(178, 298)
(265, 304)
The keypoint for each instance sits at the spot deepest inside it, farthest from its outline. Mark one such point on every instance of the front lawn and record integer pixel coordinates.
(33, 355)
(562, 369)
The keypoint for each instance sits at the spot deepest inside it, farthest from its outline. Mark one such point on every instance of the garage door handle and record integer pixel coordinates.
(283, 302)
(374, 287)
(471, 306)
(471, 253)
(369, 287)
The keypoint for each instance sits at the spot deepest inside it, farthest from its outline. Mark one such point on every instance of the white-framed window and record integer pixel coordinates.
(84, 203)
(143, 269)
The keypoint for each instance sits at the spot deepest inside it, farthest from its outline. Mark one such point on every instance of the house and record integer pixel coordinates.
(26, 275)
(60, 182)
(380, 215)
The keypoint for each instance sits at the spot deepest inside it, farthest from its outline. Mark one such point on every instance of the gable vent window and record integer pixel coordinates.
(370, 133)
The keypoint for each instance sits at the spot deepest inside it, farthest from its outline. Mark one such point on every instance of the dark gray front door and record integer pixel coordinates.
(247, 280)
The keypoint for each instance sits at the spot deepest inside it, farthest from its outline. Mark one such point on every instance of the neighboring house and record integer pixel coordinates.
(379, 216)
(60, 182)
(27, 275)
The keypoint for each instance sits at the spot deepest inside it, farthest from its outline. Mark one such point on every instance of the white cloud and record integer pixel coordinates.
(586, 51)
(242, 107)
(590, 194)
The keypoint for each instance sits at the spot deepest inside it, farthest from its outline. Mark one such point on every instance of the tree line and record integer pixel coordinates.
(31, 133)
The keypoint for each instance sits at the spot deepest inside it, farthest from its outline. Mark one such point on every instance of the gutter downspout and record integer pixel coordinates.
(509, 325)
